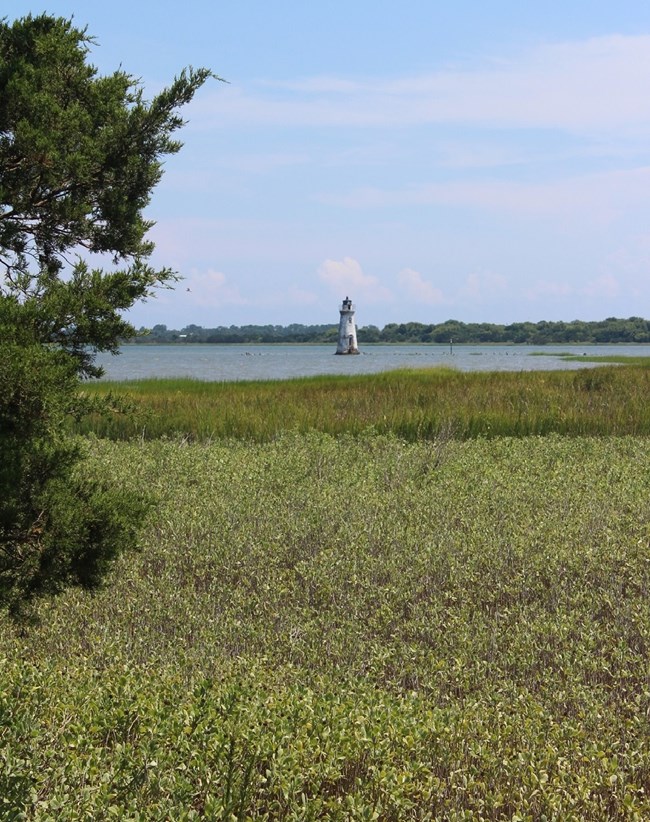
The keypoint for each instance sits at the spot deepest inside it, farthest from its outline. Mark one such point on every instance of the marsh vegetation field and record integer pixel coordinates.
(425, 619)
(412, 404)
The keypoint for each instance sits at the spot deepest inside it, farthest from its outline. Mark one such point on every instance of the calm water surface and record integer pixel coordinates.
(255, 362)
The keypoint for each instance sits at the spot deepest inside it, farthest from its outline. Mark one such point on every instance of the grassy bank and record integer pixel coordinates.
(413, 404)
(349, 628)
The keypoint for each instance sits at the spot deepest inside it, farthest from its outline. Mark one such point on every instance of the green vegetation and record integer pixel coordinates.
(57, 528)
(348, 628)
(79, 157)
(413, 404)
(375, 598)
(611, 330)
(610, 358)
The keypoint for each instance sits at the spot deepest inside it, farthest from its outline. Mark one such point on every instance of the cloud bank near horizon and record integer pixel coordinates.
(510, 187)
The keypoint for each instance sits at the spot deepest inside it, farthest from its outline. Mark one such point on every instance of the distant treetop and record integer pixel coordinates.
(611, 330)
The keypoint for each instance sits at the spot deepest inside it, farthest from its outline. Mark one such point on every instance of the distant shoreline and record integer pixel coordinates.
(611, 331)
(291, 343)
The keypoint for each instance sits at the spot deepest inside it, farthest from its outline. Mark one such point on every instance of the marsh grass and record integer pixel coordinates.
(619, 359)
(414, 404)
(329, 621)
(349, 628)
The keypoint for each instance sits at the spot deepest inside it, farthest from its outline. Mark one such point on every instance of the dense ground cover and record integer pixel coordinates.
(414, 404)
(349, 628)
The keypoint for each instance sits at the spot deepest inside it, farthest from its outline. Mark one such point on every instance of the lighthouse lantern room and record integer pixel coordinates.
(347, 329)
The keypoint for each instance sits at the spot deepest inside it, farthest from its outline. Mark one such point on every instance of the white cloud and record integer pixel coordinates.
(548, 288)
(601, 196)
(474, 154)
(483, 286)
(605, 286)
(597, 84)
(416, 287)
(347, 276)
(317, 85)
(633, 259)
(260, 163)
(182, 242)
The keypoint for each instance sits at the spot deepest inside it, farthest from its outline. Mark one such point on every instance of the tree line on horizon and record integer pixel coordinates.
(610, 330)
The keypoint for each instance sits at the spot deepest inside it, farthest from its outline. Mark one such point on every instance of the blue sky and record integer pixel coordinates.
(476, 161)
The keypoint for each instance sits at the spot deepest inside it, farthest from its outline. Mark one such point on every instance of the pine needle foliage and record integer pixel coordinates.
(80, 155)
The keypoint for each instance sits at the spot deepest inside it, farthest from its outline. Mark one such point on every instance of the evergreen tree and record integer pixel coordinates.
(80, 155)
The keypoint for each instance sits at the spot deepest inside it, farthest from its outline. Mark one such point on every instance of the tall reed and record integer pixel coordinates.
(414, 404)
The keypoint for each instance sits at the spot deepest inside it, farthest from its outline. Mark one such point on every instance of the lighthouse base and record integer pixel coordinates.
(349, 351)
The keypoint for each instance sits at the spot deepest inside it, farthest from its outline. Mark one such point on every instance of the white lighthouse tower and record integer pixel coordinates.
(347, 329)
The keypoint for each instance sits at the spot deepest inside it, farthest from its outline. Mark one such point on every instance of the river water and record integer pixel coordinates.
(220, 362)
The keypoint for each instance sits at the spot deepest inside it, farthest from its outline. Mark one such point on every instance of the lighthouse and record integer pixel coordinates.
(347, 329)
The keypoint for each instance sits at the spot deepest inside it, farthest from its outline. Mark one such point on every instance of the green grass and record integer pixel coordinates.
(414, 404)
(609, 358)
(349, 628)
(358, 598)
